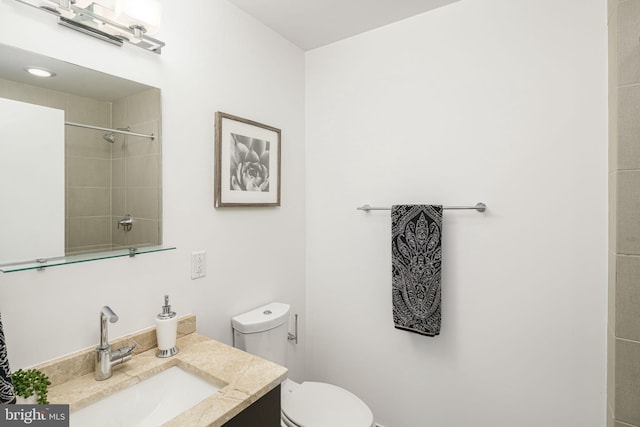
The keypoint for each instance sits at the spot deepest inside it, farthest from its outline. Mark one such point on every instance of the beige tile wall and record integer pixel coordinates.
(137, 166)
(88, 176)
(623, 384)
(104, 181)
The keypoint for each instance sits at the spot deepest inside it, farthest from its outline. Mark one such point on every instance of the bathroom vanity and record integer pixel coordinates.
(249, 387)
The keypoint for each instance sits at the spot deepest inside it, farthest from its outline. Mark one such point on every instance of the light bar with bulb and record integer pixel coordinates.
(113, 21)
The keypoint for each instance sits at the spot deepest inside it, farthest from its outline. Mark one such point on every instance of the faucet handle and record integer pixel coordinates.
(122, 355)
(122, 352)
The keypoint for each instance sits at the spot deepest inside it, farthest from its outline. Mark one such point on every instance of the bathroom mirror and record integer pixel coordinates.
(80, 175)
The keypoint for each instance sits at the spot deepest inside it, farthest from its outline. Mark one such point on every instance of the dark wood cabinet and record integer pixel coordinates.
(265, 412)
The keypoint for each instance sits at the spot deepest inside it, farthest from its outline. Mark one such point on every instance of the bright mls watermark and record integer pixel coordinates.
(34, 415)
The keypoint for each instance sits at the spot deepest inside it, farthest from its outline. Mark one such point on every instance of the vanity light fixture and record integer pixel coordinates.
(40, 72)
(113, 21)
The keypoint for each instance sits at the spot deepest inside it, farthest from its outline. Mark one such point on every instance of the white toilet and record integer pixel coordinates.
(263, 332)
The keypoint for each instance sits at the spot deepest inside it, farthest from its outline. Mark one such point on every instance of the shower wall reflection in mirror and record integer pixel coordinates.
(72, 190)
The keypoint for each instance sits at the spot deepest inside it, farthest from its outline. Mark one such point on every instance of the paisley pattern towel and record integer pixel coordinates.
(416, 261)
(6, 388)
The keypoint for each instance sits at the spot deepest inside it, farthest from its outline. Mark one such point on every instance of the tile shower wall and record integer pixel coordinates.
(88, 177)
(624, 242)
(105, 181)
(136, 178)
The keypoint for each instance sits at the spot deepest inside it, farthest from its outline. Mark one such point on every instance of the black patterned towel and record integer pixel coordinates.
(416, 254)
(6, 388)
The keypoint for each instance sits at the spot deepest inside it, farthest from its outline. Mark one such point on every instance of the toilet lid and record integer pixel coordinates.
(315, 404)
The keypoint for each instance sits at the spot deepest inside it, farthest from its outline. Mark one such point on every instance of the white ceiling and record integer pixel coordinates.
(313, 23)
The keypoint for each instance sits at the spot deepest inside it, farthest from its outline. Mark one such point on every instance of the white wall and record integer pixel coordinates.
(215, 59)
(500, 101)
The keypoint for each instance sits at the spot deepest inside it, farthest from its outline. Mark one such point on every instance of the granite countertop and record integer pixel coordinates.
(243, 378)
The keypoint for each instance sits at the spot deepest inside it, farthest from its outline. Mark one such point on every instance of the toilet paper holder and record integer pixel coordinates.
(294, 336)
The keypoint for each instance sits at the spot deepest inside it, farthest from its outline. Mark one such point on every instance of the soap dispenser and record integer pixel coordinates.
(166, 330)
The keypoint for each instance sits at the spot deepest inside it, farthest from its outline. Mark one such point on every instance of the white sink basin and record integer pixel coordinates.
(148, 403)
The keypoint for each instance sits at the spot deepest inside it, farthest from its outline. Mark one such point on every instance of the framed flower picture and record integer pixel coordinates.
(247, 159)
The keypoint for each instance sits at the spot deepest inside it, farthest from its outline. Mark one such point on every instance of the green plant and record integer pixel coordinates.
(30, 382)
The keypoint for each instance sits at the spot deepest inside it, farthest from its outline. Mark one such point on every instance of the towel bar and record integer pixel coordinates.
(480, 207)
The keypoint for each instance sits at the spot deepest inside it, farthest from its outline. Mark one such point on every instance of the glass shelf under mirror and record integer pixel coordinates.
(74, 259)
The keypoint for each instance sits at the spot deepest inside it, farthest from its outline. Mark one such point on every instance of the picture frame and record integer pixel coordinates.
(247, 162)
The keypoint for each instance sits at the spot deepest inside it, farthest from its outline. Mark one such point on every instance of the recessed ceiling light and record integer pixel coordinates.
(40, 72)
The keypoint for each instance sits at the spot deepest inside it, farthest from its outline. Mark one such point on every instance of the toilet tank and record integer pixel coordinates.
(263, 332)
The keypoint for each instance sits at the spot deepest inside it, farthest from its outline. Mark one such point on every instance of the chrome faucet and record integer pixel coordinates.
(105, 358)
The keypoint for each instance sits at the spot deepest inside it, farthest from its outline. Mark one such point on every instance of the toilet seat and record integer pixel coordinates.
(314, 404)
